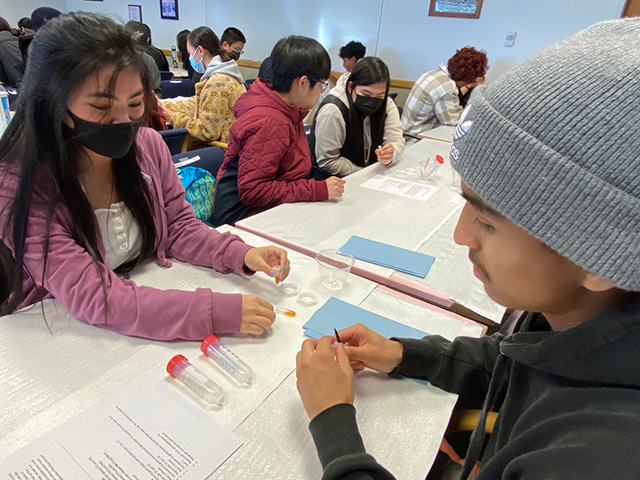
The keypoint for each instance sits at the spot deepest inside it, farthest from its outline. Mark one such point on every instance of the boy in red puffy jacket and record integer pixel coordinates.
(267, 162)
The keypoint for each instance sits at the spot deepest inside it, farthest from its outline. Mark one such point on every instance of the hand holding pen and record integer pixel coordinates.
(325, 377)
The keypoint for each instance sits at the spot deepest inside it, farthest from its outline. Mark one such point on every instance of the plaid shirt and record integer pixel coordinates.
(433, 100)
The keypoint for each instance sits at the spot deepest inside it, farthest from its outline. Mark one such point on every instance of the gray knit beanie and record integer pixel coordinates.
(554, 145)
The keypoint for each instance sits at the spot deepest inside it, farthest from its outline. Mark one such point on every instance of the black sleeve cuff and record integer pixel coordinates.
(335, 433)
(420, 357)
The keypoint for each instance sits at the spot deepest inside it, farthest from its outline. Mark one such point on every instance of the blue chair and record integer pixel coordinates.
(211, 159)
(177, 88)
(248, 82)
(13, 97)
(164, 75)
(400, 111)
(175, 139)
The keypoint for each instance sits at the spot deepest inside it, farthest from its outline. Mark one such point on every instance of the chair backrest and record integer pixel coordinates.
(165, 75)
(177, 88)
(209, 158)
(175, 139)
(248, 82)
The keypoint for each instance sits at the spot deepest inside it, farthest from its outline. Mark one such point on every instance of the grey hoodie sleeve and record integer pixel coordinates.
(463, 366)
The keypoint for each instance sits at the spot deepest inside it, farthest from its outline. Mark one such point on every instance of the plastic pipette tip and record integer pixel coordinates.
(285, 311)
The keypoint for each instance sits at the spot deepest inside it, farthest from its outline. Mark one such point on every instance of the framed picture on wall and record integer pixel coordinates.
(135, 13)
(169, 9)
(455, 8)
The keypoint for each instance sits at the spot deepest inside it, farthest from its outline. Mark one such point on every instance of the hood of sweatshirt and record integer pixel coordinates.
(605, 349)
(216, 65)
(7, 36)
(260, 95)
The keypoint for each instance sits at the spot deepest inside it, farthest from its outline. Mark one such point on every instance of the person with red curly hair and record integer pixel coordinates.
(436, 97)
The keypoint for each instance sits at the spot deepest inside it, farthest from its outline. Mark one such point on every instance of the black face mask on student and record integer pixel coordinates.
(366, 106)
(112, 140)
(232, 54)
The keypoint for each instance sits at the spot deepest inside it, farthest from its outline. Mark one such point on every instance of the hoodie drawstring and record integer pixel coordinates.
(477, 437)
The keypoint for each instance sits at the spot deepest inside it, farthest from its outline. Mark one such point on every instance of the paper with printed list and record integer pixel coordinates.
(403, 188)
(147, 430)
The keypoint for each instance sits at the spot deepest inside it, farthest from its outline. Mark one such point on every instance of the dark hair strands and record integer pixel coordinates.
(66, 51)
(206, 38)
(296, 56)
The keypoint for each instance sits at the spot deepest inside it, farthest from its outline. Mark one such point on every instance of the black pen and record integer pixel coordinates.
(337, 336)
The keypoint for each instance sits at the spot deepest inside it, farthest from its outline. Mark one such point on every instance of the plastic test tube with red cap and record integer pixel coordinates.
(431, 167)
(213, 347)
(180, 368)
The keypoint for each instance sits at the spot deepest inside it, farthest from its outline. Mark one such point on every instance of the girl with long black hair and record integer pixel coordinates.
(357, 124)
(86, 192)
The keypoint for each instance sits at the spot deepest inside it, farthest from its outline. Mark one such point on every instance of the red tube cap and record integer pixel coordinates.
(206, 342)
(174, 362)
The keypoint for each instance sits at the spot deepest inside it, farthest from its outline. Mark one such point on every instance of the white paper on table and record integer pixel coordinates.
(147, 430)
(403, 188)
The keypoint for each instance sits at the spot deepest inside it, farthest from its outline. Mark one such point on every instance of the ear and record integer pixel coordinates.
(302, 81)
(225, 45)
(596, 284)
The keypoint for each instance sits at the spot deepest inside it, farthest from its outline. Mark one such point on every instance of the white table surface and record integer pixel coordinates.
(443, 132)
(179, 72)
(373, 214)
(52, 371)
(391, 219)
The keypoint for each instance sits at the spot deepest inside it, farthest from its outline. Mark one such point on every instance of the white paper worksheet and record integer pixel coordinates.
(404, 188)
(147, 430)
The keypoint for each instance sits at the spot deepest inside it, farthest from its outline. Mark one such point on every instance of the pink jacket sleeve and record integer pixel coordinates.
(259, 165)
(82, 285)
(74, 279)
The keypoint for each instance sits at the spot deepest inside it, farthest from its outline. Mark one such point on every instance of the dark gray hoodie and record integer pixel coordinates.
(10, 59)
(568, 402)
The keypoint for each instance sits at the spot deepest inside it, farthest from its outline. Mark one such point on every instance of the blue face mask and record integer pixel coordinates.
(197, 66)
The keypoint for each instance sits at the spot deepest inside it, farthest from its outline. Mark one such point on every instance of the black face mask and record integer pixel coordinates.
(232, 54)
(112, 140)
(366, 106)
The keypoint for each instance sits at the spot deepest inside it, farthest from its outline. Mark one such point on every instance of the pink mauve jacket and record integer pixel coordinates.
(73, 280)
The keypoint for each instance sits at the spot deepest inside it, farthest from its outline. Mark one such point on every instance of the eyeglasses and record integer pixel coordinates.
(238, 52)
(324, 84)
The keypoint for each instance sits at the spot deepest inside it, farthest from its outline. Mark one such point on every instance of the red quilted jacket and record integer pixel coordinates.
(267, 162)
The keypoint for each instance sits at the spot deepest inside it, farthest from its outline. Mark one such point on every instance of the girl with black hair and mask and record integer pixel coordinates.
(357, 124)
(85, 194)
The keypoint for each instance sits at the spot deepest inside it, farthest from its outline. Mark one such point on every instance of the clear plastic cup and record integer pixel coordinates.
(334, 267)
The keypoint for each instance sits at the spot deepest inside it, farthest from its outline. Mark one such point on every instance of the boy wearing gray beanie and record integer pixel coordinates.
(549, 157)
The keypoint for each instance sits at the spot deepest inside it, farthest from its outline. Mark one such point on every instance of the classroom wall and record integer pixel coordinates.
(398, 31)
(332, 22)
(411, 42)
(192, 13)
(14, 10)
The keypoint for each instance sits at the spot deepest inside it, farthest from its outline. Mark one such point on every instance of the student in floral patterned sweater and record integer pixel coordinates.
(209, 114)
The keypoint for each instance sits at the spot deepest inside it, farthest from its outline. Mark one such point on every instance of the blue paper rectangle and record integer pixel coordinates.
(338, 314)
(400, 259)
